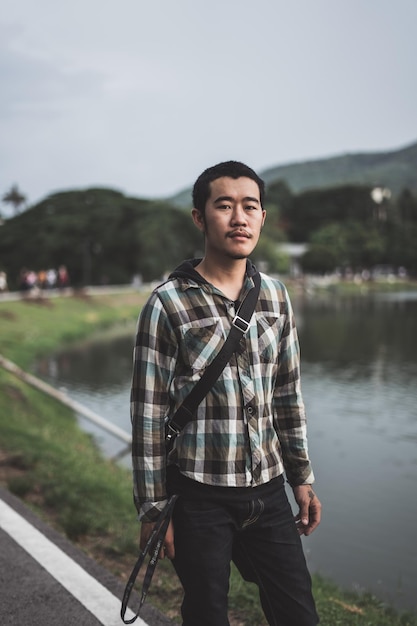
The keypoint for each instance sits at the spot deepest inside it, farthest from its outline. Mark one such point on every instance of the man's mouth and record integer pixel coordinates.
(239, 234)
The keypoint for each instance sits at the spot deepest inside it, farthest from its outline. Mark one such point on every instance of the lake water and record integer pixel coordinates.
(359, 373)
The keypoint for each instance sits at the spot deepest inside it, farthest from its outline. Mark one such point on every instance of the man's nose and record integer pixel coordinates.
(238, 215)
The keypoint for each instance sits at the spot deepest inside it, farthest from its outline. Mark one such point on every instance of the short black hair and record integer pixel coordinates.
(232, 169)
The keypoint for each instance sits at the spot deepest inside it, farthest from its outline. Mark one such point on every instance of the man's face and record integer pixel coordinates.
(233, 218)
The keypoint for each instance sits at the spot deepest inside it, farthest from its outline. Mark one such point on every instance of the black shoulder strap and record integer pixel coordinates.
(240, 325)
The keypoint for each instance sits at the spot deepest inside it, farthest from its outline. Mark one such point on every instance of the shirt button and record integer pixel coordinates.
(251, 410)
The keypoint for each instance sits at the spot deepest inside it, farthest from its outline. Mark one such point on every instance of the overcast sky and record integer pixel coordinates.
(142, 96)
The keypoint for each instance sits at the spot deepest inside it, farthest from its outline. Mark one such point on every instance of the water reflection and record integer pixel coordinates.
(97, 375)
(359, 373)
(359, 367)
(94, 366)
(358, 331)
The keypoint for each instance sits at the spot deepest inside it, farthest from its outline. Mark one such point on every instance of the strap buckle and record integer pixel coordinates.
(241, 324)
(170, 431)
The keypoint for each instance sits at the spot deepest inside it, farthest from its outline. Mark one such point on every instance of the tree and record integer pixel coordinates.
(328, 249)
(349, 244)
(100, 235)
(15, 198)
(311, 210)
(407, 206)
(366, 245)
(278, 205)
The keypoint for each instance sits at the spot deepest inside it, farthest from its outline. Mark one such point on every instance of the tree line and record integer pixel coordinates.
(349, 226)
(105, 237)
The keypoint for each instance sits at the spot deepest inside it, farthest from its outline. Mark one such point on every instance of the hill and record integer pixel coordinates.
(396, 170)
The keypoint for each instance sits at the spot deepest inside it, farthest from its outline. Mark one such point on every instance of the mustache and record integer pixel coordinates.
(239, 232)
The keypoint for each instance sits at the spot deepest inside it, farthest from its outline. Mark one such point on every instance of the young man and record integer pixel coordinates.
(229, 462)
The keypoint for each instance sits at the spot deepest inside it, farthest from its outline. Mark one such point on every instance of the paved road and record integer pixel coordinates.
(46, 581)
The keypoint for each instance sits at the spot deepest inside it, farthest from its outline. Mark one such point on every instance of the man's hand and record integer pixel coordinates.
(167, 548)
(309, 514)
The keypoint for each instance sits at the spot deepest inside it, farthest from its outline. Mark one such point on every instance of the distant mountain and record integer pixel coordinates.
(396, 170)
(183, 199)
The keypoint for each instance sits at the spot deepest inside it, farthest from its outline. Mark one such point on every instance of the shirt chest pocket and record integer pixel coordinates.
(269, 335)
(201, 341)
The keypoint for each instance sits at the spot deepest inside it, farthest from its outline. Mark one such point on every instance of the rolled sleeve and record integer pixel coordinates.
(154, 359)
(289, 410)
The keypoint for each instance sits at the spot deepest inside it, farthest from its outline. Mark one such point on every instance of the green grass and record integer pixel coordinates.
(350, 288)
(57, 466)
(57, 469)
(32, 328)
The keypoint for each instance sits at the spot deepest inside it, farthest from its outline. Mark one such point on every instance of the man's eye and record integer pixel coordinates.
(224, 206)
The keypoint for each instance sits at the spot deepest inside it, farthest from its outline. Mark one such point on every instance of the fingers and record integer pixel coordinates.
(168, 551)
(309, 514)
(167, 548)
(307, 524)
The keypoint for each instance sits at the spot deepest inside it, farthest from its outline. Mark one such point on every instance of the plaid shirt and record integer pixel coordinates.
(251, 426)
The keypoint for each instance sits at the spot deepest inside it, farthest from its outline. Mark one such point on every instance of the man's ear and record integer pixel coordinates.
(198, 220)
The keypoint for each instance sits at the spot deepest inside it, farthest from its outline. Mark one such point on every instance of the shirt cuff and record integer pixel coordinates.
(150, 511)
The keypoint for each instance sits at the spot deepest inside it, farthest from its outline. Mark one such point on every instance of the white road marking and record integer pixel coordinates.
(92, 594)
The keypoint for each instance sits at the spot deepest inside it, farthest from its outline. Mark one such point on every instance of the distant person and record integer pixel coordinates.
(63, 279)
(248, 436)
(42, 279)
(137, 281)
(27, 280)
(23, 280)
(3, 282)
(51, 278)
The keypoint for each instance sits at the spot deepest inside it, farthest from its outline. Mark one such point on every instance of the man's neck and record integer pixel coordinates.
(228, 277)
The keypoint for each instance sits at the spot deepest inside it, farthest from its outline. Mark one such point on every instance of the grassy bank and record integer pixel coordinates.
(47, 461)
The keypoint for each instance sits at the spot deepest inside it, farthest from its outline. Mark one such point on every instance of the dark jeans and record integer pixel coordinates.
(260, 536)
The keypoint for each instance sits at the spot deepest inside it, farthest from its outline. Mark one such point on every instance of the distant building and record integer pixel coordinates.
(295, 252)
